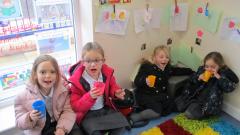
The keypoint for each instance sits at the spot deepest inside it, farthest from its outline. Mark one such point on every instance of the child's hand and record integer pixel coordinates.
(95, 93)
(150, 80)
(35, 115)
(59, 131)
(201, 77)
(120, 93)
(215, 73)
(147, 82)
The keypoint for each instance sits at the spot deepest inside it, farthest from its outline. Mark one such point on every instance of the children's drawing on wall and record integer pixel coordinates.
(205, 16)
(52, 11)
(103, 2)
(112, 21)
(145, 19)
(179, 17)
(10, 9)
(230, 29)
(53, 41)
(114, 1)
(126, 1)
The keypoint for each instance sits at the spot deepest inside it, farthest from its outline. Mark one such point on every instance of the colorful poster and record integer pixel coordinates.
(64, 65)
(10, 9)
(179, 20)
(53, 41)
(52, 10)
(146, 19)
(230, 29)
(206, 18)
(15, 76)
(17, 45)
(112, 23)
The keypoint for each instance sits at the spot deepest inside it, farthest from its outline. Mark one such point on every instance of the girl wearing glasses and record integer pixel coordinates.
(94, 109)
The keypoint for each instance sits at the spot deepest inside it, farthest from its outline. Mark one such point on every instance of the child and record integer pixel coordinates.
(152, 82)
(203, 95)
(45, 84)
(95, 109)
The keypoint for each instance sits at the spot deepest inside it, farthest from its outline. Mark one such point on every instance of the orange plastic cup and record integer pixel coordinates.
(151, 79)
(207, 75)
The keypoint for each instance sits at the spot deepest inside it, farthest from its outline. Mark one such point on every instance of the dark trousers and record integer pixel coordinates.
(99, 122)
(162, 103)
(50, 127)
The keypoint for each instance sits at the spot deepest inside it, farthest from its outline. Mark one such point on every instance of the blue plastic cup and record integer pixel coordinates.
(40, 106)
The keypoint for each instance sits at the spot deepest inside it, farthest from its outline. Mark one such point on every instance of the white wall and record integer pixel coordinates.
(123, 52)
(212, 42)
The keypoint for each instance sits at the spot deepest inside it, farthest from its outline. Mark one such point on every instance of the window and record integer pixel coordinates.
(29, 28)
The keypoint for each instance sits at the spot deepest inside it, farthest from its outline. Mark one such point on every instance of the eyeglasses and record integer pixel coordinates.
(96, 61)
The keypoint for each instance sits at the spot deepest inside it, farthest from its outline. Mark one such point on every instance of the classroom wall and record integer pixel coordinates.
(212, 42)
(123, 52)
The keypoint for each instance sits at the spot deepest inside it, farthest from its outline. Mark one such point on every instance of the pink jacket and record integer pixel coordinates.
(62, 110)
(81, 100)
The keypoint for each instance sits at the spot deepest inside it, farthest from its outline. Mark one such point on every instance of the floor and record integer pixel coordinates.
(135, 131)
(153, 123)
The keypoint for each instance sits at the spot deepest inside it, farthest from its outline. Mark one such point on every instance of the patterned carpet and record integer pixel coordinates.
(180, 125)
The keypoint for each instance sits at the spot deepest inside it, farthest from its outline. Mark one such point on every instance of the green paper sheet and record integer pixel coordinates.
(209, 23)
(182, 53)
(166, 14)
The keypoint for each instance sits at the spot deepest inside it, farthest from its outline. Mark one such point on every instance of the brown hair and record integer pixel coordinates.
(92, 46)
(40, 59)
(160, 48)
(216, 57)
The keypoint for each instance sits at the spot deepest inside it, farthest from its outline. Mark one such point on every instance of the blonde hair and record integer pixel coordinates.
(160, 48)
(92, 46)
(40, 59)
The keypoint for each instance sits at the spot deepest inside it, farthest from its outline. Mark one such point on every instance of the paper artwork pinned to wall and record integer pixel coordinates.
(206, 17)
(145, 19)
(179, 17)
(230, 29)
(108, 2)
(112, 23)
